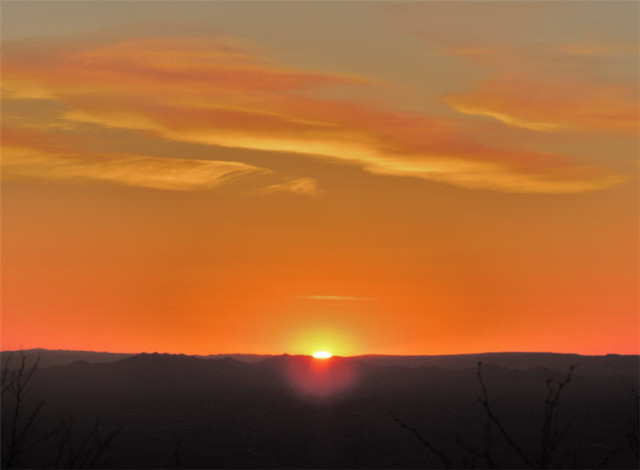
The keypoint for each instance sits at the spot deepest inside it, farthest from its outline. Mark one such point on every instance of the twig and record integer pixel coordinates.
(607, 457)
(16, 382)
(632, 436)
(487, 408)
(445, 461)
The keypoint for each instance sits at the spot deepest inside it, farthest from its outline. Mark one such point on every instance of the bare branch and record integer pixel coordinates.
(632, 437)
(551, 435)
(607, 457)
(6, 373)
(484, 401)
(445, 461)
(21, 438)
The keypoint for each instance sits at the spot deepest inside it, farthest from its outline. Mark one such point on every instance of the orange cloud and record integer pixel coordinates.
(551, 106)
(302, 186)
(45, 155)
(215, 92)
(339, 298)
(22, 160)
(553, 88)
(595, 49)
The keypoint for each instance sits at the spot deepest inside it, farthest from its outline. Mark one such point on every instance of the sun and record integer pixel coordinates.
(322, 355)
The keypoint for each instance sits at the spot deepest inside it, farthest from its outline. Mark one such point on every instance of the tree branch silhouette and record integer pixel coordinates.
(21, 422)
(484, 401)
(89, 450)
(443, 458)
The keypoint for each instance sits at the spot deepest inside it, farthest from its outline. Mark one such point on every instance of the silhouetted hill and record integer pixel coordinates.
(298, 412)
(611, 364)
(50, 357)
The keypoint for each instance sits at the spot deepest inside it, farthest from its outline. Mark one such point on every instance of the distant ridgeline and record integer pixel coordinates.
(611, 364)
(104, 410)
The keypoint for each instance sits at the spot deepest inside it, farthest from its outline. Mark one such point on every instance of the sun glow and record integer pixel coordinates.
(322, 355)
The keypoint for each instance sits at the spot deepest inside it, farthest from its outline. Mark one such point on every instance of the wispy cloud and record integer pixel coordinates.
(178, 174)
(549, 105)
(42, 154)
(594, 49)
(338, 298)
(580, 78)
(216, 92)
(301, 186)
(553, 88)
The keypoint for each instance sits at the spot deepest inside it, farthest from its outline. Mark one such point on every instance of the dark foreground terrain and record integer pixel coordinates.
(164, 411)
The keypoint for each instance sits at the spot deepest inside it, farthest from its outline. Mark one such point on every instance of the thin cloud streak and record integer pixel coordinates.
(301, 186)
(551, 106)
(338, 298)
(176, 174)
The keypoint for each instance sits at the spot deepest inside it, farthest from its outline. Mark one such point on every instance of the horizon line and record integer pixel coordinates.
(310, 355)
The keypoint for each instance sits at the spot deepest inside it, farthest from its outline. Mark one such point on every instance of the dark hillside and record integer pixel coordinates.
(294, 411)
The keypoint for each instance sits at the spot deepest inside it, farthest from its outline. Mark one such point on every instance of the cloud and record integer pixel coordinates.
(217, 92)
(580, 77)
(498, 177)
(148, 172)
(301, 186)
(548, 105)
(338, 298)
(571, 87)
(593, 49)
(46, 155)
(461, 104)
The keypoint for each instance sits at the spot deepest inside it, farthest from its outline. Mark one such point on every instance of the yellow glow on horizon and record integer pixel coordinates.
(322, 355)
(339, 339)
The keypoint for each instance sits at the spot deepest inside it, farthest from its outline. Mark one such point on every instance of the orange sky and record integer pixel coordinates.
(415, 178)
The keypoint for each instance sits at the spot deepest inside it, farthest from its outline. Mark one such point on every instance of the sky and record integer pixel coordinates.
(286, 177)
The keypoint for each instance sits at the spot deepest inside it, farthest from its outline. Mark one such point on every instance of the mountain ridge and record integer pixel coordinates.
(609, 364)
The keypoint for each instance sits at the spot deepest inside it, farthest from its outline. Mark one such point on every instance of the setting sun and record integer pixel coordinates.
(322, 355)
